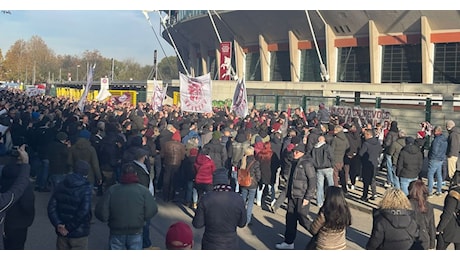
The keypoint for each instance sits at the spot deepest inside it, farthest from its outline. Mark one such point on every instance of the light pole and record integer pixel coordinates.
(78, 66)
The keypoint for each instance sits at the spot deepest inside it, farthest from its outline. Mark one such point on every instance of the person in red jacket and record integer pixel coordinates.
(204, 168)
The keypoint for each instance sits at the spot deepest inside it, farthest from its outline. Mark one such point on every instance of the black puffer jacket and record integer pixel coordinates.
(392, 230)
(302, 182)
(70, 205)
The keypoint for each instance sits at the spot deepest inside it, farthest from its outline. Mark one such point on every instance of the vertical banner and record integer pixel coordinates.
(158, 96)
(225, 71)
(104, 91)
(86, 88)
(195, 93)
(240, 99)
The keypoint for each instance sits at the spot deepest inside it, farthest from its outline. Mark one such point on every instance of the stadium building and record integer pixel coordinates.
(378, 58)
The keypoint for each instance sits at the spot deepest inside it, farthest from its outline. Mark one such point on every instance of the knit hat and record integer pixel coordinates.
(216, 135)
(179, 236)
(220, 176)
(300, 147)
(176, 136)
(295, 139)
(85, 134)
(410, 140)
(421, 134)
(35, 115)
(140, 152)
(81, 167)
(61, 136)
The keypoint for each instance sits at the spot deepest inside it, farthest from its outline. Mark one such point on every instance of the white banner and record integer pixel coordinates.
(104, 91)
(159, 95)
(195, 93)
(240, 99)
(365, 114)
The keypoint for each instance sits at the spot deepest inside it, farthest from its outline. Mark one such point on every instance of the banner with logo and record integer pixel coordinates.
(104, 91)
(364, 114)
(195, 93)
(225, 70)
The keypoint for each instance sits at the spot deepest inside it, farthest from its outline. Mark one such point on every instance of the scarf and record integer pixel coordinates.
(129, 178)
(222, 187)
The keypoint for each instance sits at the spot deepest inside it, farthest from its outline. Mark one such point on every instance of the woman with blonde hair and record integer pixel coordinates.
(249, 192)
(394, 226)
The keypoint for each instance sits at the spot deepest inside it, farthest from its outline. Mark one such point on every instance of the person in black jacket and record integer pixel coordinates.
(369, 153)
(393, 226)
(300, 192)
(16, 190)
(69, 209)
(409, 166)
(220, 212)
(21, 214)
(448, 229)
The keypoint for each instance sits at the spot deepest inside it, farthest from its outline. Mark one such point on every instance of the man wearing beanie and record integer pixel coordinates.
(217, 151)
(220, 212)
(126, 207)
(83, 150)
(172, 154)
(69, 209)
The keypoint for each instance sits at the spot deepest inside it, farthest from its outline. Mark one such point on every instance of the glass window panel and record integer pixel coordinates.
(279, 66)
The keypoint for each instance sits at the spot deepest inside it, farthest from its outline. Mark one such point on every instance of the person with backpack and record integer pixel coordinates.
(248, 190)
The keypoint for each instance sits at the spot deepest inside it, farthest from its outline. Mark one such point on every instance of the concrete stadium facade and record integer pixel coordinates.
(385, 53)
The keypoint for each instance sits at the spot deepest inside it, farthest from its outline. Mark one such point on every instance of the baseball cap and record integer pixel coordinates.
(179, 236)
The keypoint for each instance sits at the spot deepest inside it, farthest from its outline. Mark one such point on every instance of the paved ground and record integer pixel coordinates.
(266, 231)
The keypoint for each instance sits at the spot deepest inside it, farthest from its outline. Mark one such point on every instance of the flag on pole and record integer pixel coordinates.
(87, 87)
(240, 99)
(104, 91)
(159, 94)
(195, 93)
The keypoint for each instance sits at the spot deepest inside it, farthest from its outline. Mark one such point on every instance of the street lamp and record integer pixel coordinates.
(78, 66)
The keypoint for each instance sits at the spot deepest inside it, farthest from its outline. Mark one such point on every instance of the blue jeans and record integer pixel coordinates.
(189, 192)
(146, 235)
(234, 181)
(261, 191)
(327, 173)
(405, 184)
(125, 242)
(390, 172)
(434, 168)
(248, 196)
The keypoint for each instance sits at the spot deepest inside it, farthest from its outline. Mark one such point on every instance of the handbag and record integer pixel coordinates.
(244, 176)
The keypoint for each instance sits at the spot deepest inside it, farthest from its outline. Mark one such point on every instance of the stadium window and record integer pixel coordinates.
(309, 66)
(280, 69)
(354, 65)
(447, 63)
(253, 71)
(402, 63)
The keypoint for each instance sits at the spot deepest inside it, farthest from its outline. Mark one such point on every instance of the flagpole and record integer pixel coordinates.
(155, 33)
(324, 74)
(171, 39)
(232, 71)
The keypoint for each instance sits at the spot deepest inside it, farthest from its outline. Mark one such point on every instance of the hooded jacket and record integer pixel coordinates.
(83, 150)
(392, 229)
(204, 168)
(410, 162)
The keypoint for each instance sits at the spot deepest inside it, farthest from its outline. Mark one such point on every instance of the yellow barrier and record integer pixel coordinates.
(75, 94)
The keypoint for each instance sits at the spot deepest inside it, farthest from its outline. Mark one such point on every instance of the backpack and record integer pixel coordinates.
(244, 176)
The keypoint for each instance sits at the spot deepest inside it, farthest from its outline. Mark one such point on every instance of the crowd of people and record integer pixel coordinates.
(131, 155)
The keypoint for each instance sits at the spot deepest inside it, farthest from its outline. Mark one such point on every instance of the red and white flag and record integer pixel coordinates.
(195, 93)
(225, 68)
(240, 99)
